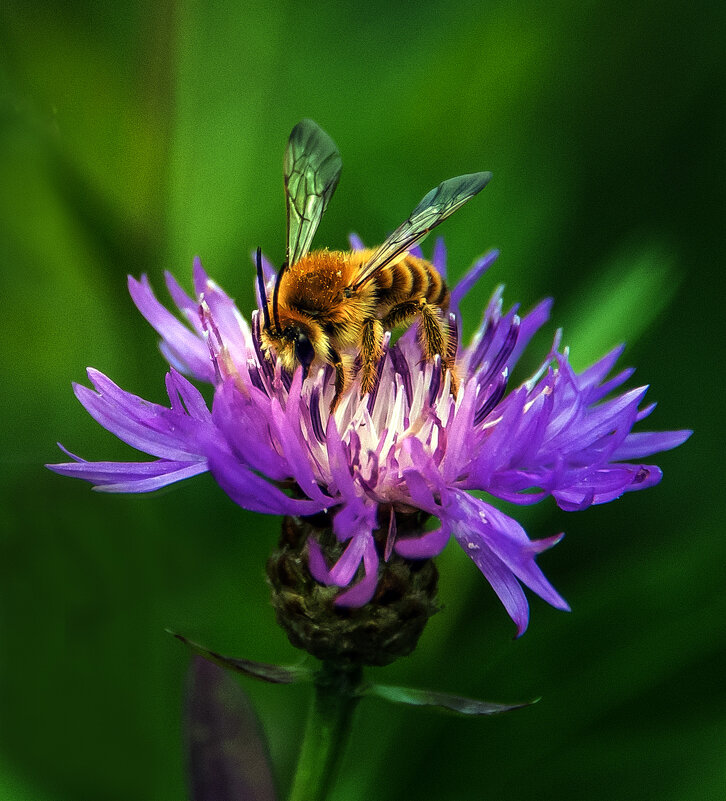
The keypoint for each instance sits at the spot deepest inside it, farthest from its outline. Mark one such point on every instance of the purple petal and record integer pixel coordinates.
(391, 536)
(355, 519)
(287, 427)
(185, 345)
(146, 426)
(428, 545)
(153, 483)
(345, 568)
(438, 258)
(507, 540)
(316, 562)
(363, 591)
(478, 527)
(474, 273)
(596, 373)
(253, 492)
(459, 433)
(646, 411)
(606, 484)
(129, 476)
(596, 393)
(361, 548)
(187, 306)
(356, 243)
(603, 419)
(529, 325)
(496, 451)
(269, 271)
(233, 330)
(191, 397)
(420, 492)
(503, 582)
(338, 462)
(646, 443)
(245, 424)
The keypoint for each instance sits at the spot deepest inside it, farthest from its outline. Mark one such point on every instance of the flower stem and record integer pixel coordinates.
(326, 731)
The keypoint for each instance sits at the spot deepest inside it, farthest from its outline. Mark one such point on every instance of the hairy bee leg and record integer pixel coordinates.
(432, 334)
(341, 377)
(401, 314)
(370, 353)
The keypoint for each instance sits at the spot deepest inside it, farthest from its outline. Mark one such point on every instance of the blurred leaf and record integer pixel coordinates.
(624, 299)
(453, 703)
(225, 80)
(275, 674)
(105, 102)
(15, 788)
(228, 755)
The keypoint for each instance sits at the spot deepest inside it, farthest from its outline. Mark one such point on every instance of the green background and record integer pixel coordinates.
(133, 136)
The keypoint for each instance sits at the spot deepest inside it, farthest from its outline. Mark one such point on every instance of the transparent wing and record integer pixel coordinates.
(312, 170)
(433, 209)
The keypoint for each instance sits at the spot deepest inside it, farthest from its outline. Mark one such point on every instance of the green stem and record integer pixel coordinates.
(326, 731)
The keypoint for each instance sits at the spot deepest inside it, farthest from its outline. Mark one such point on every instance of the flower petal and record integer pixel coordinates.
(646, 443)
(363, 591)
(474, 273)
(479, 526)
(503, 582)
(253, 492)
(155, 482)
(231, 326)
(129, 476)
(184, 344)
(148, 427)
(426, 546)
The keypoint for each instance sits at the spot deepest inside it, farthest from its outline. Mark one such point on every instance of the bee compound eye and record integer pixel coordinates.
(304, 352)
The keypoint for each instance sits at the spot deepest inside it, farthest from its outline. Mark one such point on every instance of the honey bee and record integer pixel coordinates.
(333, 306)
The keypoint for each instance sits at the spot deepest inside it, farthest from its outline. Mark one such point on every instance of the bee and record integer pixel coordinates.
(334, 307)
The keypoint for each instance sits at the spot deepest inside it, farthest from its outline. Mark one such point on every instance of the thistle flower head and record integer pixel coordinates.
(409, 446)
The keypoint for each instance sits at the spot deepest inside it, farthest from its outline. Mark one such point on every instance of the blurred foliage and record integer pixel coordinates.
(133, 136)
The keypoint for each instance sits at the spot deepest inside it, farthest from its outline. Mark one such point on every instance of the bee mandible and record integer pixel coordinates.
(331, 306)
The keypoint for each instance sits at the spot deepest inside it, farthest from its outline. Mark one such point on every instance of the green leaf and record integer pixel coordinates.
(627, 295)
(453, 703)
(275, 674)
(228, 755)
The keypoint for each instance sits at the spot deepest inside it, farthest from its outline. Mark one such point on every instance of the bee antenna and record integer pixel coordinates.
(275, 295)
(261, 288)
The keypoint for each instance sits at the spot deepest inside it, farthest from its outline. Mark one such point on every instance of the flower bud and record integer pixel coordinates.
(377, 633)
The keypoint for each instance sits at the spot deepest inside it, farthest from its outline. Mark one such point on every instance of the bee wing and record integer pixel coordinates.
(312, 170)
(433, 209)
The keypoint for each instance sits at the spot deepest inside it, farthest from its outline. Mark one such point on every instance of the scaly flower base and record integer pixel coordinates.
(377, 633)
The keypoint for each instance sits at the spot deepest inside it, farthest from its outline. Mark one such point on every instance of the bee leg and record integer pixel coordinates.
(432, 335)
(401, 314)
(434, 339)
(370, 353)
(341, 377)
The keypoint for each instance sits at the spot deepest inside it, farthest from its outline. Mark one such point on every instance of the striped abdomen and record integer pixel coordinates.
(410, 278)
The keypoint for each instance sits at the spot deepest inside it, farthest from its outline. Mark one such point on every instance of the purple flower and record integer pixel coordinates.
(273, 447)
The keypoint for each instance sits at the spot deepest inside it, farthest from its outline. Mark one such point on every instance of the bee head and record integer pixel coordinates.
(294, 337)
(294, 344)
